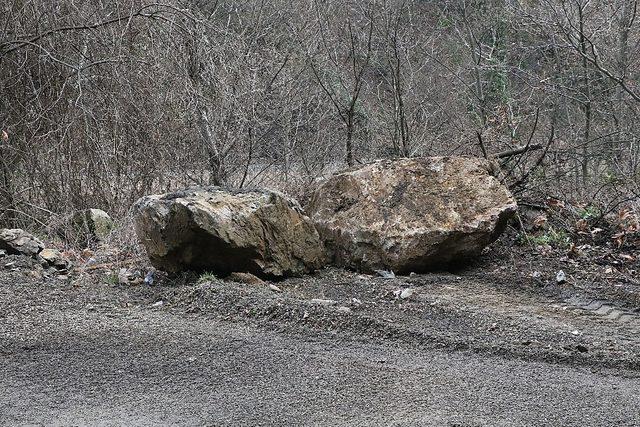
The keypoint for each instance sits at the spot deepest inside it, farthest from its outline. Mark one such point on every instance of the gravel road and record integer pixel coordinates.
(156, 368)
(97, 354)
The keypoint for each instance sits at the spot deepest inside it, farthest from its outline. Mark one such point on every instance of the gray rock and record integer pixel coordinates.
(54, 258)
(274, 288)
(18, 242)
(385, 274)
(221, 231)
(123, 276)
(410, 215)
(406, 293)
(92, 224)
(128, 276)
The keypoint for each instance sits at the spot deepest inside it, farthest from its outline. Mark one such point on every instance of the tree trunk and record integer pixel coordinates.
(349, 145)
(587, 102)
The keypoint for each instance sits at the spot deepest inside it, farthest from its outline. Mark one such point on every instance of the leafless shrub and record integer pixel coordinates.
(104, 102)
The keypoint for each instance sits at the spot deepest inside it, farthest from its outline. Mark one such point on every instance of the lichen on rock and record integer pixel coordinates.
(410, 215)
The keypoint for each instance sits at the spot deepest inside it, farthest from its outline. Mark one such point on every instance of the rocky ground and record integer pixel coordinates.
(501, 341)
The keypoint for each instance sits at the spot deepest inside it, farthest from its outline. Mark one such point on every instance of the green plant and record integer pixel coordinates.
(610, 178)
(445, 22)
(206, 277)
(552, 237)
(111, 279)
(589, 212)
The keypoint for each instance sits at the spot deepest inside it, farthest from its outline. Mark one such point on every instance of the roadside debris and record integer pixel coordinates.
(386, 274)
(246, 278)
(274, 288)
(150, 277)
(19, 242)
(404, 294)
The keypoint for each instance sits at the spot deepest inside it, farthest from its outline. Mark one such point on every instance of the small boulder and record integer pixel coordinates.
(223, 231)
(92, 224)
(54, 258)
(18, 242)
(410, 215)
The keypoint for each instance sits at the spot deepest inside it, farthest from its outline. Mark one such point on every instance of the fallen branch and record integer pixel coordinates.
(518, 150)
(525, 177)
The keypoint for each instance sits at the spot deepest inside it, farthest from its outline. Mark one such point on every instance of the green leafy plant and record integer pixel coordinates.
(206, 277)
(445, 22)
(551, 237)
(589, 212)
(111, 279)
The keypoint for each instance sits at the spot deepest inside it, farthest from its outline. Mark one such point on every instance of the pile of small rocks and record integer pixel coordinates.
(15, 241)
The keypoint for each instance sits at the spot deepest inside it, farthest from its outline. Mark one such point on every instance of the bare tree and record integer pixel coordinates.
(104, 102)
(345, 52)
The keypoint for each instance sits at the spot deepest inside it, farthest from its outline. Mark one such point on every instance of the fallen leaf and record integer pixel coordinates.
(540, 221)
(555, 203)
(582, 226)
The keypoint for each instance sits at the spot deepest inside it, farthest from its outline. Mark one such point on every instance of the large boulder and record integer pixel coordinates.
(410, 215)
(222, 231)
(19, 242)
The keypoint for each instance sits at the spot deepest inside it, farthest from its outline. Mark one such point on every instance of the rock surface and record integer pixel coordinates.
(54, 258)
(92, 224)
(410, 215)
(18, 242)
(211, 229)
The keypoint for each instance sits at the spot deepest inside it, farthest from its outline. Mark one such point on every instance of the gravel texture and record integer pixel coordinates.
(483, 346)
